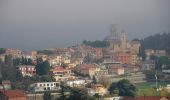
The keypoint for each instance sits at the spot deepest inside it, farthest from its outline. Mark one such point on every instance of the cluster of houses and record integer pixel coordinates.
(81, 59)
(120, 58)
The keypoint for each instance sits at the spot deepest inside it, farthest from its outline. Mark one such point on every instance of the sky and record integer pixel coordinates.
(42, 24)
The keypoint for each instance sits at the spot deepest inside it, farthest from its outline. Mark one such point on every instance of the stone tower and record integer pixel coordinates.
(123, 41)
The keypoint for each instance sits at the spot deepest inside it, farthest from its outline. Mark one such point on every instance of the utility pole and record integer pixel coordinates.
(156, 80)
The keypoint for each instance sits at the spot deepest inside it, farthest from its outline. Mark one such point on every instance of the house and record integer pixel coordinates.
(2, 57)
(60, 73)
(6, 85)
(126, 58)
(27, 70)
(116, 70)
(12, 95)
(86, 69)
(97, 89)
(160, 53)
(149, 53)
(148, 65)
(76, 82)
(45, 86)
(14, 52)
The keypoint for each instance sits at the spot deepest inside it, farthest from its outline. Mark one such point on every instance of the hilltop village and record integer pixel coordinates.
(83, 72)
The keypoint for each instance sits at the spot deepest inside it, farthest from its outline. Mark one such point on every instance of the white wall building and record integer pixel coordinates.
(45, 86)
(76, 83)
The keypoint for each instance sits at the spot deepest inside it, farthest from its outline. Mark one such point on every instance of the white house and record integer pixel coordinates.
(45, 86)
(76, 83)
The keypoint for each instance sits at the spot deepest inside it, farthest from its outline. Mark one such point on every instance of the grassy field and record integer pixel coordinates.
(147, 89)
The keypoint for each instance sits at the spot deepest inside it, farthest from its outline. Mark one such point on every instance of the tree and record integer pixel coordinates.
(104, 81)
(2, 50)
(47, 96)
(42, 67)
(47, 78)
(64, 65)
(63, 96)
(19, 76)
(126, 88)
(46, 52)
(30, 62)
(9, 71)
(8, 60)
(96, 43)
(157, 42)
(123, 88)
(97, 96)
(79, 94)
(94, 80)
(16, 61)
(113, 89)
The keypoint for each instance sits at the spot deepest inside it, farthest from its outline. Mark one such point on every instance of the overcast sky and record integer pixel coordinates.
(40, 24)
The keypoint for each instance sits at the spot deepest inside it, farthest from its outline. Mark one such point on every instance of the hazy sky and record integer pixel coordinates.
(37, 24)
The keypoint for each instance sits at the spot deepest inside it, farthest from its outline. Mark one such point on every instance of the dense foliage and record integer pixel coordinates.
(23, 61)
(9, 70)
(123, 88)
(79, 94)
(2, 50)
(156, 42)
(42, 67)
(96, 43)
(47, 96)
(46, 52)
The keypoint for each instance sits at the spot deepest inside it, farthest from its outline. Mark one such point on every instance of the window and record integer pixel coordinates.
(40, 85)
(51, 84)
(47, 84)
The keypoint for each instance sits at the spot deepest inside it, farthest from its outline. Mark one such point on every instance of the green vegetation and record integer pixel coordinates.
(156, 42)
(96, 43)
(148, 89)
(123, 88)
(23, 61)
(42, 67)
(8, 70)
(64, 65)
(2, 50)
(46, 52)
(47, 96)
(79, 94)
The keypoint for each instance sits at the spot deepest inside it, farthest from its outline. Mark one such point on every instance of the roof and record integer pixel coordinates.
(61, 69)
(6, 82)
(146, 98)
(13, 93)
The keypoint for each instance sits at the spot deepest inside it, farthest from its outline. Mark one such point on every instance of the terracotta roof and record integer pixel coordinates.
(146, 98)
(6, 82)
(59, 69)
(13, 93)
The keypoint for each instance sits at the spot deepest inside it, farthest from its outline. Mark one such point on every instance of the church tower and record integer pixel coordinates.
(123, 41)
(113, 37)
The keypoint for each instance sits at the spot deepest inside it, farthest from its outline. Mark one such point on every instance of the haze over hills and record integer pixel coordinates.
(44, 24)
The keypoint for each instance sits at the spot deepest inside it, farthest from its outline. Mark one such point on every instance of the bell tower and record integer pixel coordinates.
(123, 41)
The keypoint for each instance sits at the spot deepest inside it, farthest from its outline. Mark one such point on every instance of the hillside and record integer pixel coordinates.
(157, 41)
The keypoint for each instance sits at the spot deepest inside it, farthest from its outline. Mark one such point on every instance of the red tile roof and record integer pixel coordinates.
(145, 98)
(13, 93)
